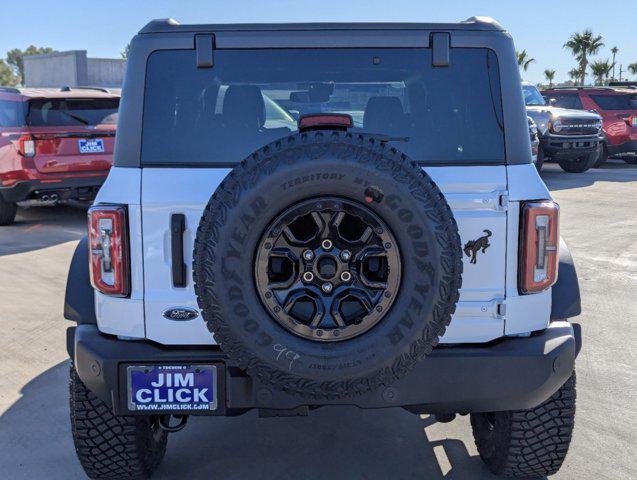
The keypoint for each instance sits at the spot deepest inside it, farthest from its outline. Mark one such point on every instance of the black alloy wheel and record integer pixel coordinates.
(327, 269)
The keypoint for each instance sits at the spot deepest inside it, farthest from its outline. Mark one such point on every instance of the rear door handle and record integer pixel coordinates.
(177, 228)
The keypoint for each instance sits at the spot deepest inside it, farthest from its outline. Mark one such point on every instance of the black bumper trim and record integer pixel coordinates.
(560, 146)
(23, 190)
(510, 374)
(626, 147)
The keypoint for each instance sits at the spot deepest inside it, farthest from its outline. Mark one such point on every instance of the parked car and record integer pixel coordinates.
(535, 142)
(618, 109)
(240, 264)
(570, 137)
(56, 145)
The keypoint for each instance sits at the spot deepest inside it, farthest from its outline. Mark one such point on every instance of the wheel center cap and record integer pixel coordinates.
(327, 266)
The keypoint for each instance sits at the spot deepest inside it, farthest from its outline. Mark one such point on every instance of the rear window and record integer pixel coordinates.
(616, 102)
(53, 112)
(249, 98)
(11, 114)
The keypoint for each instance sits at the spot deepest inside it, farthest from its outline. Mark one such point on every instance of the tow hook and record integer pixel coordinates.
(164, 423)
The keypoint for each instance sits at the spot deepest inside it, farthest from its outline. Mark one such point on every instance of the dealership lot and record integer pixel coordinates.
(599, 224)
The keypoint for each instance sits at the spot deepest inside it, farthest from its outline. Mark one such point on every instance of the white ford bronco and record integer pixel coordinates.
(304, 215)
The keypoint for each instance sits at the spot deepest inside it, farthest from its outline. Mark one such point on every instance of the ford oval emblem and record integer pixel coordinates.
(181, 314)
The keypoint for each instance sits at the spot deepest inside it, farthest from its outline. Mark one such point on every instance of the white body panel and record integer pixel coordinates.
(489, 305)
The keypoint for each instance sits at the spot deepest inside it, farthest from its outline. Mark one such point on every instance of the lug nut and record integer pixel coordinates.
(308, 255)
(346, 276)
(308, 277)
(346, 255)
(327, 287)
(327, 244)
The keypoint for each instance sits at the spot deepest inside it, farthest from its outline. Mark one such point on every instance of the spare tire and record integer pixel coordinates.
(327, 264)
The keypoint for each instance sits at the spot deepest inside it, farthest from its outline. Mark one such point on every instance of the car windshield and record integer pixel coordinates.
(252, 97)
(51, 112)
(532, 96)
(616, 102)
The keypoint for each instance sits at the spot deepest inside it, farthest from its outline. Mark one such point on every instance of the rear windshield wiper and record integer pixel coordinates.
(75, 117)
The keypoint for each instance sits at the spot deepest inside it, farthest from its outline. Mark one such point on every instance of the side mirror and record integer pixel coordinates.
(552, 101)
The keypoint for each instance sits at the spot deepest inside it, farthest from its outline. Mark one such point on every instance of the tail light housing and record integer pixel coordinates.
(109, 250)
(539, 242)
(26, 146)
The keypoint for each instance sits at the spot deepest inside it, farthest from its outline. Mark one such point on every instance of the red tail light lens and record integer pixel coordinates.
(26, 146)
(109, 254)
(539, 241)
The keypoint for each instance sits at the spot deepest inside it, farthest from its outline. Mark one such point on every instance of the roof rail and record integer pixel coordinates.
(66, 88)
(9, 90)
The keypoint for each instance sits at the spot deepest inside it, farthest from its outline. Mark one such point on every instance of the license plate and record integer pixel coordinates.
(172, 388)
(91, 145)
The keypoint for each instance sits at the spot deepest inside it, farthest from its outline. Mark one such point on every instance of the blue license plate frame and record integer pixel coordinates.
(170, 388)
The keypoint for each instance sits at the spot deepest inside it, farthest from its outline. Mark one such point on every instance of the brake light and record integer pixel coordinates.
(539, 242)
(26, 146)
(108, 254)
(325, 121)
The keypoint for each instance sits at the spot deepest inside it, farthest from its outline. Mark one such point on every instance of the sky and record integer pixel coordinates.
(541, 28)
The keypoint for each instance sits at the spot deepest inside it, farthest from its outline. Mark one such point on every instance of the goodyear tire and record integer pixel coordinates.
(329, 171)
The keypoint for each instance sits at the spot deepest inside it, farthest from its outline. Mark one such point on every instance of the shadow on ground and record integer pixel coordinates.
(41, 227)
(612, 171)
(334, 443)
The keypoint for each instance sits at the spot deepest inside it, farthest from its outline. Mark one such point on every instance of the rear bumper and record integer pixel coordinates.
(69, 188)
(568, 147)
(626, 147)
(510, 374)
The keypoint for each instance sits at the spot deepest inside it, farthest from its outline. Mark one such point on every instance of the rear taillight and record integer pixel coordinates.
(539, 240)
(109, 254)
(26, 146)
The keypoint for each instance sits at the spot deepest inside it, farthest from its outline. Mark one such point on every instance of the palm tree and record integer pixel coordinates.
(601, 69)
(632, 68)
(582, 45)
(614, 51)
(573, 74)
(524, 60)
(550, 75)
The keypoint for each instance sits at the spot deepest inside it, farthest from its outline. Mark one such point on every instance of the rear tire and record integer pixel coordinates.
(109, 446)
(579, 165)
(7, 211)
(602, 157)
(527, 443)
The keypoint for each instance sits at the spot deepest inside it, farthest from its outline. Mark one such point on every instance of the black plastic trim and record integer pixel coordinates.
(626, 147)
(440, 43)
(205, 45)
(177, 229)
(509, 374)
(565, 294)
(79, 300)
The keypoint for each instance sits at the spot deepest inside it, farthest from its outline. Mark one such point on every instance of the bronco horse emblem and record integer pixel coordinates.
(472, 247)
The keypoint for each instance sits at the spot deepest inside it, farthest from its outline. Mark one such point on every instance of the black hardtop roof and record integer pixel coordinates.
(169, 25)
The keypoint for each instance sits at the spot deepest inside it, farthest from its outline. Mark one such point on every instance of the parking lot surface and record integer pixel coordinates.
(599, 222)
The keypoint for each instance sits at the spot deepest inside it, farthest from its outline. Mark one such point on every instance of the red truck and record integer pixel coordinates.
(56, 145)
(618, 109)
